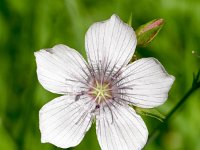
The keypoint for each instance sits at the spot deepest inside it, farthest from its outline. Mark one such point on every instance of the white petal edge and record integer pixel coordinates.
(110, 44)
(61, 69)
(118, 127)
(147, 83)
(64, 121)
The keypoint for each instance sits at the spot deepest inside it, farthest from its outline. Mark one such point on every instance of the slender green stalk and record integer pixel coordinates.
(194, 87)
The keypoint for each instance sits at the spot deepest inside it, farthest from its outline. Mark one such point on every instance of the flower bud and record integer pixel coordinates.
(147, 32)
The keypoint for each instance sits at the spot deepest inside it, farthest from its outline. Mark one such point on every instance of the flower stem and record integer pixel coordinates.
(157, 130)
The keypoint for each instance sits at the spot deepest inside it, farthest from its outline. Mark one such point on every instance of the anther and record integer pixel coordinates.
(79, 95)
(97, 106)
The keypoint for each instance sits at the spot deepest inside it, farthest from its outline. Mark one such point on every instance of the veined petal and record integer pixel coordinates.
(145, 83)
(110, 44)
(61, 69)
(120, 128)
(64, 121)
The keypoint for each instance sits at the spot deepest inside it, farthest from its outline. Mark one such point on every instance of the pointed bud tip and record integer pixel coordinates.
(154, 24)
(147, 32)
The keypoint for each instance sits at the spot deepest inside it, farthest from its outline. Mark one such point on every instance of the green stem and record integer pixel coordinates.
(181, 102)
(156, 132)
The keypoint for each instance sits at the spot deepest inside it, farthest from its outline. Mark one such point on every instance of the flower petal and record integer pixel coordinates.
(64, 121)
(120, 128)
(110, 44)
(145, 83)
(61, 69)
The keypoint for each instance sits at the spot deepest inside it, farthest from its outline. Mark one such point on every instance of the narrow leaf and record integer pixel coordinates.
(154, 113)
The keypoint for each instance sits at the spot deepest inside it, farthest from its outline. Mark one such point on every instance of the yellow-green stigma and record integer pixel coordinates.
(101, 92)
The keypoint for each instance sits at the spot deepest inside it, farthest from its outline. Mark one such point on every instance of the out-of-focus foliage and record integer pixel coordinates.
(29, 25)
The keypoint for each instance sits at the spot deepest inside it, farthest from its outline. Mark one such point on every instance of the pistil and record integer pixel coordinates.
(101, 92)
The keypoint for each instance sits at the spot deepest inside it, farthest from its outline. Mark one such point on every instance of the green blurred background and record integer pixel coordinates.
(29, 25)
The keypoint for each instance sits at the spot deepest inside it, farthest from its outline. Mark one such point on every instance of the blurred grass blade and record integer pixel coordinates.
(130, 20)
(147, 32)
(196, 79)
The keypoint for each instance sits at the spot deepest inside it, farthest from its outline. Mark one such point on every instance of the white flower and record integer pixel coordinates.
(101, 89)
